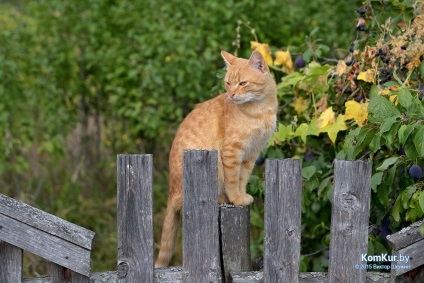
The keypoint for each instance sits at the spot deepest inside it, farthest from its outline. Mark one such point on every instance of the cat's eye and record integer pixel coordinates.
(243, 83)
(227, 83)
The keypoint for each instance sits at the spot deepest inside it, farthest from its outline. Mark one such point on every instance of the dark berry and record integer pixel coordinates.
(299, 62)
(384, 228)
(401, 151)
(352, 48)
(416, 172)
(309, 155)
(381, 52)
(360, 12)
(385, 59)
(361, 27)
(357, 98)
(260, 160)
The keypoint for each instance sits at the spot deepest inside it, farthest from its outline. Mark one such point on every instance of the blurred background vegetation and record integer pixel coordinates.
(83, 81)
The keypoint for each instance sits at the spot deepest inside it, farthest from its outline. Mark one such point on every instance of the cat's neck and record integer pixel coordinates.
(269, 104)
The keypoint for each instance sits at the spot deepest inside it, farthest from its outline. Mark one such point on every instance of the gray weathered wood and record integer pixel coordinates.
(305, 277)
(415, 252)
(174, 275)
(61, 274)
(46, 222)
(10, 262)
(349, 220)
(234, 238)
(283, 198)
(162, 275)
(201, 262)
(135, 218)
(407, 236)
(47, 246)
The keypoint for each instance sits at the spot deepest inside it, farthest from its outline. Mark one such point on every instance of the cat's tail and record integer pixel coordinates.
(169, 234)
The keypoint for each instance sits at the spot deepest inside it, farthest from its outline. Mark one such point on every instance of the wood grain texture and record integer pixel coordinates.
(135, 218)
(234, 238)
(46, 222)
(283, 199)
(61, 274)
(349, 220)
(201, 261)
(407, 236)
(10, 262)
(415, 252)
(305, 277)
(47, 246)
(174, 275)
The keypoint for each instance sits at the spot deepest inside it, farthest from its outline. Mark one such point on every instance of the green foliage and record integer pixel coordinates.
(367, 106)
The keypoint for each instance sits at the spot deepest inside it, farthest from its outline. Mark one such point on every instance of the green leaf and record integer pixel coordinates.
(404, 132)
(411, 150)
(291, 80)
(422, 70)
(376, 180)
(387, 163)
(388, 124)
(383, 196)
(418, 140)
(396, 209)
(421, 200)
(406, 195)
(375, 143)
(307, 172)
(380, 107)
(405, 98)
(302, 131)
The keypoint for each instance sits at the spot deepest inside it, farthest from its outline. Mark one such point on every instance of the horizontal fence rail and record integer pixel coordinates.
(216, 238)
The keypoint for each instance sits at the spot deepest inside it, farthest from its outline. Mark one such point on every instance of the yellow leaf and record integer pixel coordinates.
(284, 58)
(326, 118)
(367, 76)
(357, 111)
(341, 68)
(384, 91)
(394, 99)
(333, 129)
(264, 49)
(300, 105)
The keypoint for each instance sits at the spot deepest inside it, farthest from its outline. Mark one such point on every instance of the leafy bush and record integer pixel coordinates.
(366, 105)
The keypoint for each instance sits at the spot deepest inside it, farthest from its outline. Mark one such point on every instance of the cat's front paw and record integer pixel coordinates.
(244, 199)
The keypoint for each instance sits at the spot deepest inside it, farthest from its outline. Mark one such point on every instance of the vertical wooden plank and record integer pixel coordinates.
(10, 262)
(135, 218)
(60, 274)
(283, 200)
(201, 262)
(349, 220)
(234, 239)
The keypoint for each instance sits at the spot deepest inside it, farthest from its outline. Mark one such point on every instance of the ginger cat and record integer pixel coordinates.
(238, 124)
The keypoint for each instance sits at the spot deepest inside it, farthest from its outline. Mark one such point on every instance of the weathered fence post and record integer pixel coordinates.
(135, 218)
(349, 221)
(283, 199)
(201, 262)
(60, 274)
(10, 262)
(234, 239)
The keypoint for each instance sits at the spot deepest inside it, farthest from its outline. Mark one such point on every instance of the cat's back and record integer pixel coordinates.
(203, 127)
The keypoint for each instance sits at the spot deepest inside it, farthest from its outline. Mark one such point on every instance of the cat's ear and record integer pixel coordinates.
(257, 61)
(228, 58)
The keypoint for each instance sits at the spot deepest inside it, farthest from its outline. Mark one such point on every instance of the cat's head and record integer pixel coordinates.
(247, 80)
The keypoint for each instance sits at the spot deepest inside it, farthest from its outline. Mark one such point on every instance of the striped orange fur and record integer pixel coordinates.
(237, 123)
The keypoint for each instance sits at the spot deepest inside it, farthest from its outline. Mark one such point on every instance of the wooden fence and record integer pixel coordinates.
(215, 238)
